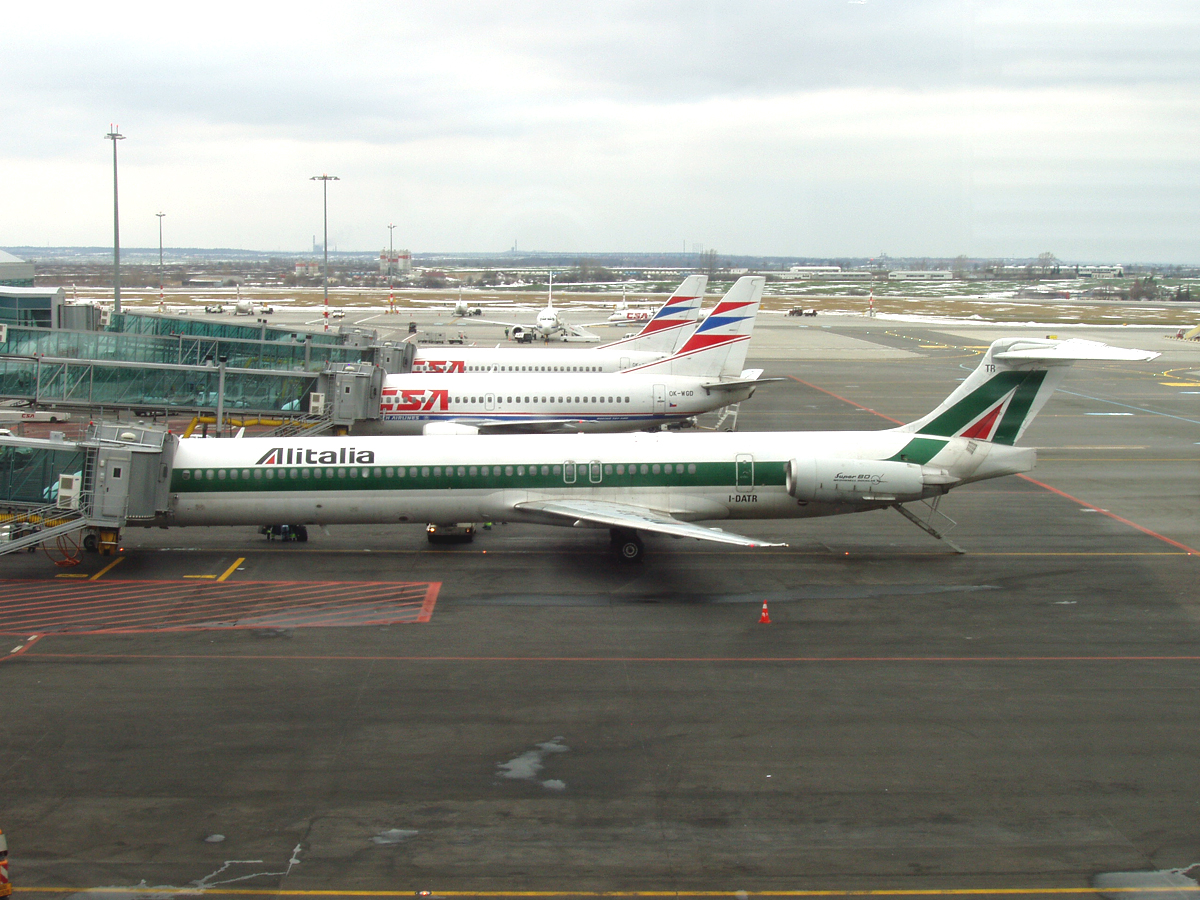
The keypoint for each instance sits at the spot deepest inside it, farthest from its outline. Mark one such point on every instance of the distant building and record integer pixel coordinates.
(1098, 271)
(922, 275)
(814, 271)
(14, 271)
(308, 269)
(398, 261)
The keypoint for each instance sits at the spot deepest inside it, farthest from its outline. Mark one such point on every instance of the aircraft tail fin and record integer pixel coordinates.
(717, 348)
(668, 329)
(1010, 386)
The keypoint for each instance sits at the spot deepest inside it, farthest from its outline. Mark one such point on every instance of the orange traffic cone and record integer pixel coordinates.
(765, 618)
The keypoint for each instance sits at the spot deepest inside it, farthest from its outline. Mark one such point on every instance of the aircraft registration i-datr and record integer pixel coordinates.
(661, 483)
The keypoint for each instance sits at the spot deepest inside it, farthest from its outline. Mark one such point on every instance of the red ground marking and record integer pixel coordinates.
(844, 400)
(699, 660)
(1123, 521)
(1143, 529)
(31, 606)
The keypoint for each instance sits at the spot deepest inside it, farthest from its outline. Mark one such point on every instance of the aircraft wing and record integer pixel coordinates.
(619, 515)
(507, 324)
(469, 425)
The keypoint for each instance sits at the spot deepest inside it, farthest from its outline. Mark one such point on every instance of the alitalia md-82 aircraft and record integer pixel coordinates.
(662, 335)
(704, 375)
(633, 483)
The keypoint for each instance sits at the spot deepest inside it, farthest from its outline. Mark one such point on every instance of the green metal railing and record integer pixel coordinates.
(179, 349)
(151, 323)
(98, 384)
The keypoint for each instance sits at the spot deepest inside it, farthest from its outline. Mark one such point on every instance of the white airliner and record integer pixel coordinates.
(629, 483)
(704, 375)
(630, 316)
(665, 332)
(549, 324)
(459, 309)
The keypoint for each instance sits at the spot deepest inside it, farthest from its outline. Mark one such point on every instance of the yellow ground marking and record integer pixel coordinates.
(231, 569)
(200, 576)
(71, 575)
(907, 892)
(112, 565)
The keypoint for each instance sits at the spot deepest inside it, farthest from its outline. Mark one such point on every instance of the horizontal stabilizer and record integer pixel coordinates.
(1070, 351)
(616, 515)
(737, 385)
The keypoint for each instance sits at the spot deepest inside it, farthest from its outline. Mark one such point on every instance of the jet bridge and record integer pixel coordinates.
(119, 473)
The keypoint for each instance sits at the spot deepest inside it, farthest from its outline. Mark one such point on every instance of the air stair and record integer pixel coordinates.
(26, 530)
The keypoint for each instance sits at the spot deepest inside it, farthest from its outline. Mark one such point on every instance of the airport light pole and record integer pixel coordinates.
(160, 267)
(115, 135)
(391, 256)
(325, 179)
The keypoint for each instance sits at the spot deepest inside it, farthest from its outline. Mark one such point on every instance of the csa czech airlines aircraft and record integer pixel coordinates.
(663, 335)
(630, 483)
(705, 374)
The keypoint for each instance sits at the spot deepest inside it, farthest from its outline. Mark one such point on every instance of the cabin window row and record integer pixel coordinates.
(284, 473)
(479, 399)
(535, 368)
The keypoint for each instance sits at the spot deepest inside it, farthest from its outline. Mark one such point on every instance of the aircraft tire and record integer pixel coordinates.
(628, 545)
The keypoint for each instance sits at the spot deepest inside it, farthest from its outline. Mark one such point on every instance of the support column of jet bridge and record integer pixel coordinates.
(350, 393)
(118, 475)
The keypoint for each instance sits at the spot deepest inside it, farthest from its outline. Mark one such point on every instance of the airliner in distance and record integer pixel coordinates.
(549, 323)
(664, 334)
(630, 484)
(705, 374)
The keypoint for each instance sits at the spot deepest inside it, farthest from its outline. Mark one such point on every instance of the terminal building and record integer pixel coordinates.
(28, 307)
(14, 271)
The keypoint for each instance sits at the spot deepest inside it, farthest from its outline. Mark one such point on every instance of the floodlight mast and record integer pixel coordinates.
(115, 135)
(160, 263)
(325, 179)
(391, 258)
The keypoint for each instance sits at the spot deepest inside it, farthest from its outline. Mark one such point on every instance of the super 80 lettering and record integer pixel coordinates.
(411, 400)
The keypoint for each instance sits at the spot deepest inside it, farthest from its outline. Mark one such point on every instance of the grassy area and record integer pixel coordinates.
(994, 302)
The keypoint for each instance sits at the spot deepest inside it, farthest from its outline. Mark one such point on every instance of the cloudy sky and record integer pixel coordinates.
(806, 127)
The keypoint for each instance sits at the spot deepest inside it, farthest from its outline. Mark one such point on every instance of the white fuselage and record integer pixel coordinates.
(591, 402)
(693, 477)
(609, 358)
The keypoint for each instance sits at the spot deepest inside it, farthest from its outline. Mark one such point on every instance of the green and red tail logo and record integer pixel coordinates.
(994, 411)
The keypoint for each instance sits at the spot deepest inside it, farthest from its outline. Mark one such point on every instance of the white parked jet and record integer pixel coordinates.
(663, 335)
(631, 483)
(704, 375)
(549, 323)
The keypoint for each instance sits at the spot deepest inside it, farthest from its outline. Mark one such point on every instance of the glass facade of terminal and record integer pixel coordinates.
(30, 312)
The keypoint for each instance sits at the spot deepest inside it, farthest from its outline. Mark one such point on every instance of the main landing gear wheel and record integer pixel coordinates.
(627, 544)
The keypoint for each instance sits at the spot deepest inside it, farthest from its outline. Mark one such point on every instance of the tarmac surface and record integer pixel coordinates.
(525, 716)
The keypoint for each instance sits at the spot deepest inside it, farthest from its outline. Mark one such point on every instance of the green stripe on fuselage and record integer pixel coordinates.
(919, 451)
(276, 478)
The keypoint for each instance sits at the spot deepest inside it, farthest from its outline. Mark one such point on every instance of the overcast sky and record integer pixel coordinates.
(805, 127)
